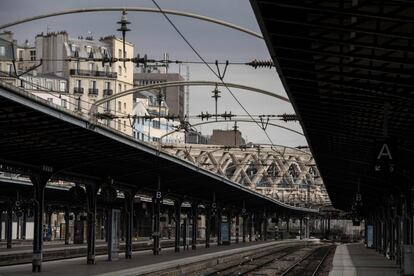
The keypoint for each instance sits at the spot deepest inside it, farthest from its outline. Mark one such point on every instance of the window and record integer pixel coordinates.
(64, 103)
(92, 84)
(124, 105)
(156, 124)
(124, 125)
(119, 53)
(9, 69)
(21, 55)
(119, 124)
(119, 88)
(125, 87)
(107, 69)
(155, 139)
(78, 104)
(120, 70)
(62, 86)
(91, 67)
(107, 85)
(2, 51)
(32, 55)
(119, 105)
(78, 83)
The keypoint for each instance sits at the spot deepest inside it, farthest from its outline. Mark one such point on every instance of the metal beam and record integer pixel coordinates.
(159, 86)
(138, 9)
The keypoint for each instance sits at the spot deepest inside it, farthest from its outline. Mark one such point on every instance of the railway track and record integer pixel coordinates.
(306, 261)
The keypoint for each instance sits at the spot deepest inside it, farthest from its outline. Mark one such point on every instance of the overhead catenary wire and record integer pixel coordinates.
(210, 68)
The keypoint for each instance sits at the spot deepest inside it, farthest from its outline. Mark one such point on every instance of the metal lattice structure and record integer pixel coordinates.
(285, 174)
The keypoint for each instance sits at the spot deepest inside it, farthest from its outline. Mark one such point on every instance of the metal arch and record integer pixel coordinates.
(188, 83)
(247, 121)
(139, 9)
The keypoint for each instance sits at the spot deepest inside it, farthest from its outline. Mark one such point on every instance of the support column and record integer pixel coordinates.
(237, 227)
(9, 225)
(177, 209)
(229, 221)
(265, 222)
(208, 226)
(24, 224)
(39, 183)
(194, 207)
(129, 217)
(156, 201)
(218, 227)
(91, 195)
(251, 227)
(67, 221)
(245, 217)
(300, 228)
(1, 223)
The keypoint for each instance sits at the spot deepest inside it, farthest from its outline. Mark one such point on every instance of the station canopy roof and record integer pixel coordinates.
(348, 68)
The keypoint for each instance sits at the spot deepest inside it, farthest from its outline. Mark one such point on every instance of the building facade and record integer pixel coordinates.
(155, 127)
(174, 96)
(88, 80)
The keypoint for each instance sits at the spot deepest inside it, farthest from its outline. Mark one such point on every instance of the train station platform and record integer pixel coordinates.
(144, 262)
(355, 259)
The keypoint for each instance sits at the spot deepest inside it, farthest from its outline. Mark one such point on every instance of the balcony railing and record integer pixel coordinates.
(108, 92)
(78, 90)
(93, 73)
(93, 91)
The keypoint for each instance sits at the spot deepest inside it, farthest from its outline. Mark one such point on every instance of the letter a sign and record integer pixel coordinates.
(385, 157)
(385, 152)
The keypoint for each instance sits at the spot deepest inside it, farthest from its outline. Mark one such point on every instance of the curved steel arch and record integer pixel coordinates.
(139, 9)
(186, 83)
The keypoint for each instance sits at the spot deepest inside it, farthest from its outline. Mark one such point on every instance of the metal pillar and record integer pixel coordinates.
(24, 224)
(1, 223)
(237, 228)
(129, 217)
(251, 227)
(229, 221)
(218, 227)
(194, 211)
(208, 226)
(67, 219)
(91, 192)
(9, 225)
(244, 227)
(184, 234)
(39, 183)
(265, 222)
(300, 228)
(156, 209)
(177, 207)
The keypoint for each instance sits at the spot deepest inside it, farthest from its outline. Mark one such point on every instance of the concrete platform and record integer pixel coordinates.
(355, 259)
(142, 262)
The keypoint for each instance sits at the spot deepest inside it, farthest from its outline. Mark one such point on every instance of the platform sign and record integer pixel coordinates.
(385, 155)
(225, 239)
(370, 236)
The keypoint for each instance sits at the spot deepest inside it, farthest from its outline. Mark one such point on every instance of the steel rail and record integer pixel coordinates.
(135, 9)
(159, 86)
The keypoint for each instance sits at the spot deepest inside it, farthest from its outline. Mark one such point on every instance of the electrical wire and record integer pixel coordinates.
(210, 68)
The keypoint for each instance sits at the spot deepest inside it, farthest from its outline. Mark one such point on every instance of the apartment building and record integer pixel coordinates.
(89, 81)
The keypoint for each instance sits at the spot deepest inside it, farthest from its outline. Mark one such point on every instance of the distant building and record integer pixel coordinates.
(155, 129)
(174, 96)
(83, 81)
(226, 137)
(24, 55)
(196, 138)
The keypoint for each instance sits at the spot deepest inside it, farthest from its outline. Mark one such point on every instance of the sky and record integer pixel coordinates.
(153, 35)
